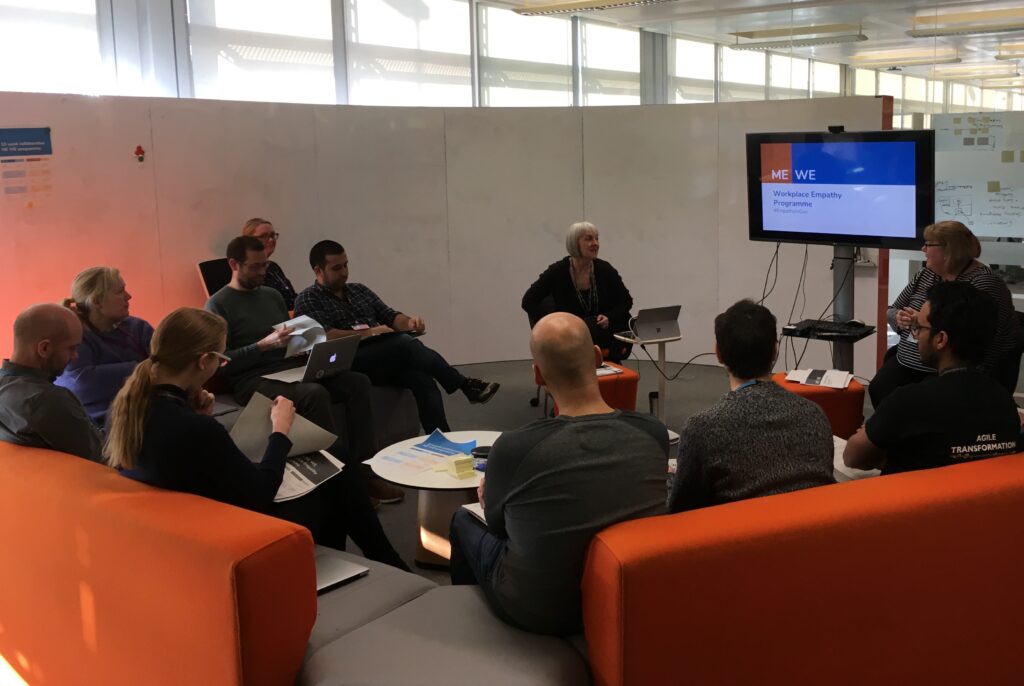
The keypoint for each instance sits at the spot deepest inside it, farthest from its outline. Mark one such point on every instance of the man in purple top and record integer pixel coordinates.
(112, 341)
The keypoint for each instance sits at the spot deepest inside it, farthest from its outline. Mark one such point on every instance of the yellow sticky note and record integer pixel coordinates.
(1007, 156)
(1022, 155)
(993, 186)
(957, 120)
(974, 132)
(958, 132)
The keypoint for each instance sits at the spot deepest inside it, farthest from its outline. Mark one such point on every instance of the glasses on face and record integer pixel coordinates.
(272, 236)
(933, 245)
(916, 328)
(221, 357)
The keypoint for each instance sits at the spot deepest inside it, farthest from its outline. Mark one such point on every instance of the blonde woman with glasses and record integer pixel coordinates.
(161, 433)
(951, 253)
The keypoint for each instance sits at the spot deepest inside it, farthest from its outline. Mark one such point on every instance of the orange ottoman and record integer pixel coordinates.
(618, 390)
(844, 408)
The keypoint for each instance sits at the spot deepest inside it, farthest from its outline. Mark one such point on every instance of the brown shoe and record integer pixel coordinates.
(383, 492)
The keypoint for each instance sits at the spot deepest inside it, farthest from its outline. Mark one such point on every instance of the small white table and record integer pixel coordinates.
(662, 381)
(440, 495)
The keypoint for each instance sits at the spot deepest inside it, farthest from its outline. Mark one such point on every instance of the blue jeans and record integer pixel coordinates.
(476, 553)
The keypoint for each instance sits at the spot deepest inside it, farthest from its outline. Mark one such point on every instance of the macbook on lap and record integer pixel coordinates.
(333, 570)
(655, 323)
(325, 360)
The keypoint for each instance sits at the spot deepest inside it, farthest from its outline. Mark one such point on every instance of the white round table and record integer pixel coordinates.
(440, 494)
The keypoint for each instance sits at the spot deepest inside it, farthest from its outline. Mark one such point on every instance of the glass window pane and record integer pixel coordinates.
(826, 79)
(262, 50)
(524, 61)
(892, 84)
(742, 75)
(973, 101)
(1018, 102)
(935, 90)
(611, 65)
(51, 46)
(691, 70)
(914, 88)
(864, 82)
(994, 99)
(408, 53)
(789, 77)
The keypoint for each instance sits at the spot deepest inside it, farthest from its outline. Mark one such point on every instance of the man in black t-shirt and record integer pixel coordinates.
(962, 414)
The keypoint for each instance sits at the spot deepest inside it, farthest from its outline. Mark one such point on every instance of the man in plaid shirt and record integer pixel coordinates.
(387, 354)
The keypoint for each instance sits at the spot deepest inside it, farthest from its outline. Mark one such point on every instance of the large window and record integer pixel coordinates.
(408, 53)
(691, 71)
(865, 82)
(262, 50)
(611, 65)
(789, 77)
(826, 80)
(524, 61)
(743, 73)
(52, 46)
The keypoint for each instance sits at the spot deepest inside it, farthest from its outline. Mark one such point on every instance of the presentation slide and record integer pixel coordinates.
(849, 188)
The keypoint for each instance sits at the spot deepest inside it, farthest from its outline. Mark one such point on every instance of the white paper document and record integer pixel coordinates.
(477, 510)
(605, 370)
(309, 464)
(306, 333)
(830, 378)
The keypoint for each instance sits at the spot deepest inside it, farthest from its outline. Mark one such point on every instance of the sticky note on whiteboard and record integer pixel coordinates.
(993, 186)
(1007, 156)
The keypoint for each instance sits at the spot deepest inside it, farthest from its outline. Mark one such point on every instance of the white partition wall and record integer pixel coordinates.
(447, 213)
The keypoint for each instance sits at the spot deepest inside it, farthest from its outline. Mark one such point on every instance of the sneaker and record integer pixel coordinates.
(381, 491)
(478, 391)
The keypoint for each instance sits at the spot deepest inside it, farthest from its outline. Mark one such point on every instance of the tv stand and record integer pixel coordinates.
(842, 287)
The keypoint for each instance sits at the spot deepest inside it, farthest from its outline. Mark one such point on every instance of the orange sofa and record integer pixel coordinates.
(104, 580)
(910, 578)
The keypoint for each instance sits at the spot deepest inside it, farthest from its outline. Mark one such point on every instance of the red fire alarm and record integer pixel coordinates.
(139, 153)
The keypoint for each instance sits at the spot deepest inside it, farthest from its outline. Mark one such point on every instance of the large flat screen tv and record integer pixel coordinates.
(869, 188)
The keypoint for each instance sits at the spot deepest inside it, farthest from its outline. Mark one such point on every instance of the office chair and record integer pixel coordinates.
(214, 275)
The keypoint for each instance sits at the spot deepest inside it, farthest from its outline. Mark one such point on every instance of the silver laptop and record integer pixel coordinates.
(655, 323)
(333, 570)
(325, 360)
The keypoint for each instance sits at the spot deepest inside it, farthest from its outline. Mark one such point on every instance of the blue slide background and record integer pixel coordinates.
(869, 163)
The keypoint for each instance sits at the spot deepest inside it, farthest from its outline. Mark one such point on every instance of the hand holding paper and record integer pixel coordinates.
(304, 334)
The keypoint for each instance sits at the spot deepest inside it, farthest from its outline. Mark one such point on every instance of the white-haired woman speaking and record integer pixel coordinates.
(586, 286)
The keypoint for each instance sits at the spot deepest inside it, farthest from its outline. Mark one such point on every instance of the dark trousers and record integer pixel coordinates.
(475, 554)
(890, 376)
(337, 509)
(401, 360)
(313, 401)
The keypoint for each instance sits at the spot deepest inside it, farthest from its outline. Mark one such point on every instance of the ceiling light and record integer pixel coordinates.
(989, 69)
(1010, 51)
(581, 6)
(904, 58)
(933, 25)
(798, 31)
(800, 42)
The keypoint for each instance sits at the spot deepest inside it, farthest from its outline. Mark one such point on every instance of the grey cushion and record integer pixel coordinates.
(359, 602)
(446, 636)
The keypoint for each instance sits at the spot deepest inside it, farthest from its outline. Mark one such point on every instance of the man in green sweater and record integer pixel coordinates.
(256, 348)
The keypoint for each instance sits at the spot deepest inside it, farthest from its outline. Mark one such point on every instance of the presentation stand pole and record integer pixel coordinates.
(842, 285)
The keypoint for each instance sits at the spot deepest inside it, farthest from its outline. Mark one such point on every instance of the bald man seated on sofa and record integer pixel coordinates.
(34, 412)
(553, 484)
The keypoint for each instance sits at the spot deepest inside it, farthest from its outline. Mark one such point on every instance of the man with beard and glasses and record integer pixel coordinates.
(33, 411)
(256, 348)
(962, 414)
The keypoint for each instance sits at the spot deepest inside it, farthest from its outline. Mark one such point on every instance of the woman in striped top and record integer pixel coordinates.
(951, 253)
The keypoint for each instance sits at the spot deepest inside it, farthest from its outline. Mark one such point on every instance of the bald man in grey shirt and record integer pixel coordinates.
(34, 412)
(553, 484)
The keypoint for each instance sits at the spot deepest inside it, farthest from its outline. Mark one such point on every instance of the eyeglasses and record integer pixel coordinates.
(223, 359)
(933, 245)
(269, 236)
(915, 329)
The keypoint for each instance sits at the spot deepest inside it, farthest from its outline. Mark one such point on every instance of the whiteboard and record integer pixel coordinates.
(979, 171)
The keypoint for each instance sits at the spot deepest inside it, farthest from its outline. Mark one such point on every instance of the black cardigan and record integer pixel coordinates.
(556, 284)
(190, 452)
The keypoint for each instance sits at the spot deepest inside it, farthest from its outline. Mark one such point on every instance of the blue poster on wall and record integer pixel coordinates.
(25, 142)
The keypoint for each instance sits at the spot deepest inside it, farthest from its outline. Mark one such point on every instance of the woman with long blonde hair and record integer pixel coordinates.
(113, 341)
(161, 433)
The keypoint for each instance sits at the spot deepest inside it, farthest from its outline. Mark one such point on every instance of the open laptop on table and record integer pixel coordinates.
(655, 323)
(325, 360)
